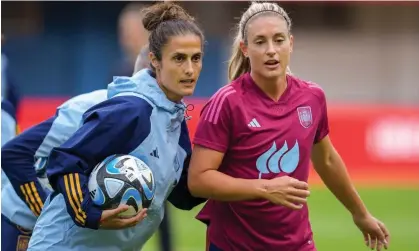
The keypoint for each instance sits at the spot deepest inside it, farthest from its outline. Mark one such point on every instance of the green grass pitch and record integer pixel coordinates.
(332, 225)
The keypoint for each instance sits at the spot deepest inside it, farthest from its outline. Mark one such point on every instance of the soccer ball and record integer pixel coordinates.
(122, 179)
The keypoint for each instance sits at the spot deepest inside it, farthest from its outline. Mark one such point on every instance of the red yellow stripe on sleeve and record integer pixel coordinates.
(75, 196)
(32, 197)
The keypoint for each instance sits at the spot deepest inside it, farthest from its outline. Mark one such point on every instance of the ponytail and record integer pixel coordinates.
(238, 63)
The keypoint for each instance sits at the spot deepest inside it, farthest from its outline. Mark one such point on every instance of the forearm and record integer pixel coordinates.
(335, 176)
(79, 205)
(22, 176)
(215, 185)
(67, 174)
(27, 185)
(17, 157)
(33, 194)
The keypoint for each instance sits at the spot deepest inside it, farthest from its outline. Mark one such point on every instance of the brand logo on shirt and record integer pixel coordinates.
(304, 114)
(253, 123)
(276, 161)
(155, 153)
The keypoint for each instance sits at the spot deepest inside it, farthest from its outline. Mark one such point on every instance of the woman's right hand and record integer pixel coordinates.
(287, 191)
(111, 220)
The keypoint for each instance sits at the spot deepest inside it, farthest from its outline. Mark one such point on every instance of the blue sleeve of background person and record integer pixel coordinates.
(181, 197)
(115, 126)
(17, 158)
(8, 107)
(13, 94)
(8, 121)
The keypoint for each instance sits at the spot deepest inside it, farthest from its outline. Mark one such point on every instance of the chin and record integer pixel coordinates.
(188, 91)
(272, 74)
(184, 93)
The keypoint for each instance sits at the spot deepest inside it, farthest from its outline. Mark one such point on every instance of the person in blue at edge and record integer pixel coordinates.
(9, 88)
(24, 161)
(24, 158)
(143, 113)
(8, 129)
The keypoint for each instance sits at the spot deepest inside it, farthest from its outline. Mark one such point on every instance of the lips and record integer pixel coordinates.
(187, 81)
(272, 62)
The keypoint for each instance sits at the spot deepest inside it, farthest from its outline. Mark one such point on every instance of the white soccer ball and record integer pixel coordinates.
(122, 179)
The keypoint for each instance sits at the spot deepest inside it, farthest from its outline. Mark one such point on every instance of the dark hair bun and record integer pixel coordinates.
(161, 12)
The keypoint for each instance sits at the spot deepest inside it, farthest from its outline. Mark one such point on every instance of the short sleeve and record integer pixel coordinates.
(323, 126)
(213, 130)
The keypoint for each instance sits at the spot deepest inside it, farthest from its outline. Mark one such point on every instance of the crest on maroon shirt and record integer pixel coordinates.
(305, 116)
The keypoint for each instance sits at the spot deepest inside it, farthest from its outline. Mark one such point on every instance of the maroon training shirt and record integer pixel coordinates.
(262, 138)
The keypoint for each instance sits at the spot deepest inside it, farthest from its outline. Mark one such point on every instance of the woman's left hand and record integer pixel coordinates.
(375, 233)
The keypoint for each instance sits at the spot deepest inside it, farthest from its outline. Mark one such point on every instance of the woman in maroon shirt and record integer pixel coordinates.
(253, 146)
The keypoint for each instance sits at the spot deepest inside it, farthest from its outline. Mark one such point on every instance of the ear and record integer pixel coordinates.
(153, 60)
(243, 48)
(291, 43)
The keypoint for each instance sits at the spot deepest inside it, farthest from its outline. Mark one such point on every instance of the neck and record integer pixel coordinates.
(173, 97)
(170, 96)
(273, 87)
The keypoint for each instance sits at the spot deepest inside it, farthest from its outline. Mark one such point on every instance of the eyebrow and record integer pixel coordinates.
(185, 54)
(275, 35)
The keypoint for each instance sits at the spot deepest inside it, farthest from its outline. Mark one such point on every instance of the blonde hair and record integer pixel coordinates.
(238, 63)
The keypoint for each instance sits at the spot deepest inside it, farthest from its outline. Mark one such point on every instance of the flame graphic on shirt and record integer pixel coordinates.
(275, 161)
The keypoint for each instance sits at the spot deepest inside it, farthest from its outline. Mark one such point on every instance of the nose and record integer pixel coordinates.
(270, 50)
(189, 68)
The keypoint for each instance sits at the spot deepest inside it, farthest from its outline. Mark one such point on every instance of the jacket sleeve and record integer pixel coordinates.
(17, 158)
(8, 121)
(181, 197)
(115, 126)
